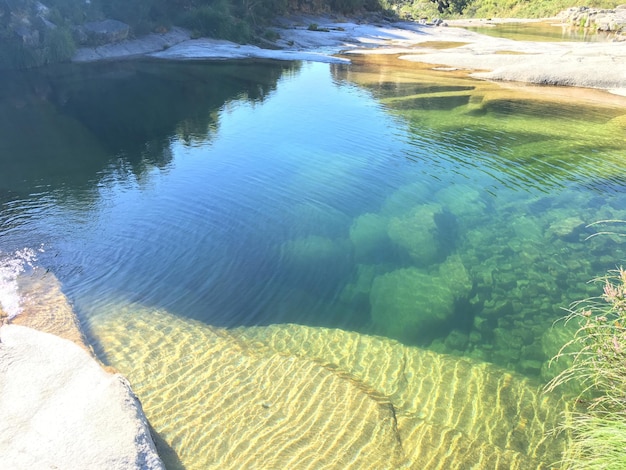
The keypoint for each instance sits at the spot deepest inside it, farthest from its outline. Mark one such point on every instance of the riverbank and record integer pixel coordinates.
(600, 65)
(58, 403)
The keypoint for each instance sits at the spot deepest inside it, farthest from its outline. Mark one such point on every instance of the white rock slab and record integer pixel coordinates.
(60, 409)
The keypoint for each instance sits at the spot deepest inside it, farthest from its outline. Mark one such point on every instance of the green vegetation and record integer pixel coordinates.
(599, 367)
(33, 35)
(526, 9)
(418, 9)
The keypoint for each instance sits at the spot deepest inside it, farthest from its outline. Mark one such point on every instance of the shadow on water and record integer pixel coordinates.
(69, 123)
(218, 195)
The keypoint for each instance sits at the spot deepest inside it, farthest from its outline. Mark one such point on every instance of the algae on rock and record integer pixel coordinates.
(417, 233)
(411, 304)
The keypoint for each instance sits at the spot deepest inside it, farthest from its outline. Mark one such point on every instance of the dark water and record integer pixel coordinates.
(433, 209)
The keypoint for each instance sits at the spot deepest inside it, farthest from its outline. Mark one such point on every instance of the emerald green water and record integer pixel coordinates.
(373, 197)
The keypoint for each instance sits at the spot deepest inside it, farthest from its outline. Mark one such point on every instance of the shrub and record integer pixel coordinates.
(599, 366)
(58, 45)
(216, 21)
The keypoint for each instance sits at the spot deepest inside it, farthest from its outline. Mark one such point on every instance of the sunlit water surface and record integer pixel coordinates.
(376, 197)
(541, 31)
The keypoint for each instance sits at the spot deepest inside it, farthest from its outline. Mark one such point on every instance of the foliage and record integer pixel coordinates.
(58, 45)
(599, 366)
(216, 21)
(519, 8)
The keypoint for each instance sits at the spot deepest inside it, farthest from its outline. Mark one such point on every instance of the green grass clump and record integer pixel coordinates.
(599, 366)
(599, 443)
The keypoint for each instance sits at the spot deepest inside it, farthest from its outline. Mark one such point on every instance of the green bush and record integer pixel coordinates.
(216, 21)
(58, 45)
(599, 367)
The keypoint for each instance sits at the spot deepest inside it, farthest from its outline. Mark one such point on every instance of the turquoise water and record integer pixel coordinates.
(432, 210)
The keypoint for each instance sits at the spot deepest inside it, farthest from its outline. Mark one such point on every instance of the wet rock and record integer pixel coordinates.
(463, 201)
(357, 293)
(555, 342)
(410, 304)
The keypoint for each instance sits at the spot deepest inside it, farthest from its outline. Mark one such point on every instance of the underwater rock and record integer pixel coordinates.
(45, 308)
(566, 228)
(456, 340)
(410, 304)
(60, 409)
(368, 235)
(225, 405)
(464, 201)
(452, 412)
(358, 292)
(417, 233)
(406, 198)
(453, 273)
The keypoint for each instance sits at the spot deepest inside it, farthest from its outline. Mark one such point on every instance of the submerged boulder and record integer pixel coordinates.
(406, 198)
(417, 233)
(369, 238)
(464, 201)
(411, 304)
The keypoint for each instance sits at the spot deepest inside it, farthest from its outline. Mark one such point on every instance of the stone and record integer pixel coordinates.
(106, 31)
(416, 232)
(457, 341)
(368, 235)
(452, 412)
(411, 304)
(556, 347)
(357, 292)
(566, 228)
(60, 409)
(406, 198)
(45, 308)
(464, 201)
(452, 272)
(221, 404)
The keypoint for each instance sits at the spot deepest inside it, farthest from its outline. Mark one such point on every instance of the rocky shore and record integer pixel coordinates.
(60, 408)
(600, 65)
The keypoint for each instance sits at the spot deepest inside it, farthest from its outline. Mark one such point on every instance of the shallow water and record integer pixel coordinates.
(543, 32)
(377, 197)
